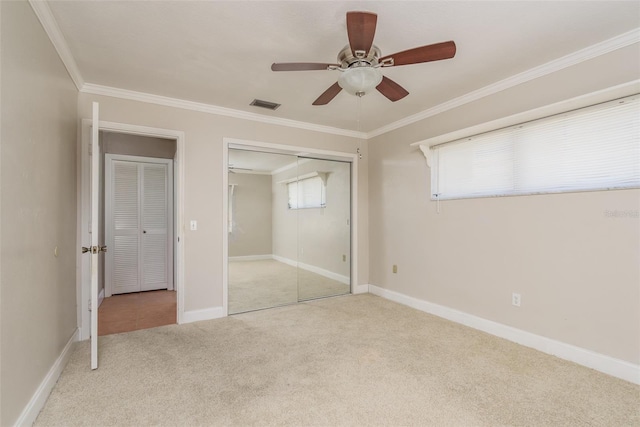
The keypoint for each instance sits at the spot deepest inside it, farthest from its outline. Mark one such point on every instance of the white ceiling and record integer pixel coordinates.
(220, 52)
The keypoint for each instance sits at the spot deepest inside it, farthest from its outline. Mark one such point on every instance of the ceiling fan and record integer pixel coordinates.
(360, 61)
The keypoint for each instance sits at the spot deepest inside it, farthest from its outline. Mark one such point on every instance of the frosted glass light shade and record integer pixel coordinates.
(359, 80)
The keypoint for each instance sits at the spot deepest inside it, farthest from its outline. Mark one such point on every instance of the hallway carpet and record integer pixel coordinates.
(345, 361)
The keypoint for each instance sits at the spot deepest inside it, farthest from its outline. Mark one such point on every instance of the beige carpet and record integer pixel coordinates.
(254, 285)
(346, 361)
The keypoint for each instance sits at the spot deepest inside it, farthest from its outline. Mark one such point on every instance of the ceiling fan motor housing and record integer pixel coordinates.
(346, 58)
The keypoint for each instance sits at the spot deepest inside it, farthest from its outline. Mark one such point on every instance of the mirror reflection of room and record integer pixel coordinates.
(289, 229)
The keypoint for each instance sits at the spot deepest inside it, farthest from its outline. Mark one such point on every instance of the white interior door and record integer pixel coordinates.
(94, 250)
(139, 224)
(155, 226)
(123, 220)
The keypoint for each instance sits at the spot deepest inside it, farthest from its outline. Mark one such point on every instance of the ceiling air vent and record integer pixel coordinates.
(264, 104)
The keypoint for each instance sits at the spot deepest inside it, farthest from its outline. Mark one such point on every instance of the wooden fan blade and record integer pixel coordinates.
(432, 52)
(361, 27)
(300, 66)
(328, 95)
(391, 89)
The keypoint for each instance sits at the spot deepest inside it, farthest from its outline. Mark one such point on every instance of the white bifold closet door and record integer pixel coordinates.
(139, 224)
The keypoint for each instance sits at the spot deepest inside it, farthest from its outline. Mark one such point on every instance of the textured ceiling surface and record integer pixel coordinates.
(220, 52)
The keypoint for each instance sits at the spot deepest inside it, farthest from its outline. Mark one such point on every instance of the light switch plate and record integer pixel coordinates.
(516, 299)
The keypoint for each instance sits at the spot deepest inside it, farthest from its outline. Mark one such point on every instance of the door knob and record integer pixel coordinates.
(102, 248)
(85, 250)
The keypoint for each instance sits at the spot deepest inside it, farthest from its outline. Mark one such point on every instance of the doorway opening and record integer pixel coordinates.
(137, 224)
(140, 206)
(289, 225)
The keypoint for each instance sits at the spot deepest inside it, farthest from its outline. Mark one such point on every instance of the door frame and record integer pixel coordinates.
(108, 215)
(83, 290)
(296, 151)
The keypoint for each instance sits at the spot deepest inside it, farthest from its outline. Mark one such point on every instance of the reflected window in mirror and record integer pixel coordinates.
(307, 193)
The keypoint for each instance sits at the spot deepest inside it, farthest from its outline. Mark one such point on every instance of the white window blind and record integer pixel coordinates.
(594, 148)
(307, 193)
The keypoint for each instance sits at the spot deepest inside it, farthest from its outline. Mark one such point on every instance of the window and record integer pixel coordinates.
(307, 193)
(593, 148)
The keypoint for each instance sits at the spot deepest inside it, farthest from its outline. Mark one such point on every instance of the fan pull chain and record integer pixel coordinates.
(359, 114)
(359, 110)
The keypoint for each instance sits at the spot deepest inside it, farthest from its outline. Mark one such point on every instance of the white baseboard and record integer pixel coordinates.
(360, 289)
(250, 257)
(204, 314)
(326, 273)
(600, 362)
(312, 268)
(100, 297)
(284, 260)
(39, 398)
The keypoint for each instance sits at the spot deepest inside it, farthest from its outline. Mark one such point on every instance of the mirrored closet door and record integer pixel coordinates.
(324, 232)
(289, 229)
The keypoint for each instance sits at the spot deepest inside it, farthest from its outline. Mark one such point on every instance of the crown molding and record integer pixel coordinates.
(213, 109)
(290, 166)
(50, 25)
(602, 48)
(248, 172)
(44, 14)
(604, 95)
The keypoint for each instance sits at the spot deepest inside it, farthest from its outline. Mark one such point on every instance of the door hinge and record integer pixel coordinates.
(89, 304)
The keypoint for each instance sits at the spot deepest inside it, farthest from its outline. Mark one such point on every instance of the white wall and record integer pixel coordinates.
(252, 230)
(203, 180)
(319, 236)
(575, 267)
(38, 207)
(137, 145)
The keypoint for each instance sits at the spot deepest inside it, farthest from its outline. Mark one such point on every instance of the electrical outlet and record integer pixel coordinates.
(344, 258)
(193, 225)
(516, 299)
(395, 268)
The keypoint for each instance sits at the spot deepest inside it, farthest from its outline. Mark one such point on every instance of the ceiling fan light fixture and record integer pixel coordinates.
(359, 80)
